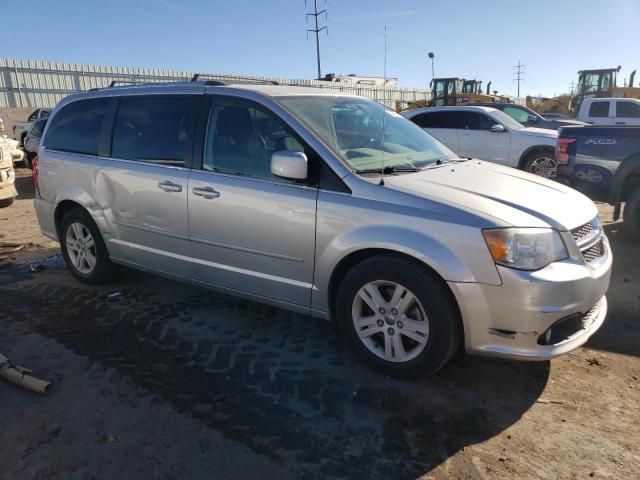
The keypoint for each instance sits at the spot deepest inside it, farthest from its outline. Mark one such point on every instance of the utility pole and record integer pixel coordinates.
(317, 30)
(571, 87)
(518, 74)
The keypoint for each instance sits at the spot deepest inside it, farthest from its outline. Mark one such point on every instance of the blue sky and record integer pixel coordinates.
(480, 38)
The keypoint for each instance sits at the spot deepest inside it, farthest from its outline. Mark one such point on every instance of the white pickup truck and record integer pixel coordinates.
(610, 111)
(21, 129)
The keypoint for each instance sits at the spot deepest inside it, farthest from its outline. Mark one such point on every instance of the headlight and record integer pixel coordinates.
(525, 248)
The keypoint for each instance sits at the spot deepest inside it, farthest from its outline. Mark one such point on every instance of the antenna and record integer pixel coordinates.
(317, 30)
(384, 107)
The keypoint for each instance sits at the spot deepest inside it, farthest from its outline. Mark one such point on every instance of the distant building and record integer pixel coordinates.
(354, 79)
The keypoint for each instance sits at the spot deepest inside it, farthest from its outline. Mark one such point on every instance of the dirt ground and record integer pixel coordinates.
(164, 380)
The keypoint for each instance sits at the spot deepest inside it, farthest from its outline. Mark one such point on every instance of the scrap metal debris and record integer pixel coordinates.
(544, 400)
(20, 376)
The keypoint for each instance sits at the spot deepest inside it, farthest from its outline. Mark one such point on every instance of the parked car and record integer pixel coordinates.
(325, 204)
(604, 163)
(32, 142)
(610, 111)
(9, 152)
(530, 118)
(489, 134)
(21, 129)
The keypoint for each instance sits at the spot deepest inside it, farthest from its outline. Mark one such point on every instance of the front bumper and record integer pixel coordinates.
(7, 181)
(512, 320)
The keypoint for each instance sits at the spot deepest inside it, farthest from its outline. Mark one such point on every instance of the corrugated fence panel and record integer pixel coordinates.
(25, 83)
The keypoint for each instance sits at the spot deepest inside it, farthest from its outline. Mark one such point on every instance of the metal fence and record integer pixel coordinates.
(32, 84)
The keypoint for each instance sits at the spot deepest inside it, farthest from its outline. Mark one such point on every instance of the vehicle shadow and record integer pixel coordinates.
(283, 384)
(24, 184)
(620, 332)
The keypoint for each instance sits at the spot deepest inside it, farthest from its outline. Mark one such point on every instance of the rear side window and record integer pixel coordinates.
(77, 127)
(627, 110)
(599, 109)
(436, 120)
(155, 129)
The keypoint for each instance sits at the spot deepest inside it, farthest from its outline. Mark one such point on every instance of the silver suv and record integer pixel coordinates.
(325, 204)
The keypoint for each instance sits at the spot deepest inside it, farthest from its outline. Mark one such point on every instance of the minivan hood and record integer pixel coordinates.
(540, 132)
(514, 197)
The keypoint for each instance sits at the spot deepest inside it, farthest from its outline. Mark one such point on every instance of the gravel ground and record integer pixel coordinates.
(169, 381)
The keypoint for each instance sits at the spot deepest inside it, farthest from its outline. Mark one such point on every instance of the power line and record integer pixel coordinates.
(317, 30)
(518, 74)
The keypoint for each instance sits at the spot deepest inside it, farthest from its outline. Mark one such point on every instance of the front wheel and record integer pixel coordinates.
(83, 248)
(542, 164)
(631, 215)
(399, 316)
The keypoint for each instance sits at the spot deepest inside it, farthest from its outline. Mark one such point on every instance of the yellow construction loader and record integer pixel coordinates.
(598, 83)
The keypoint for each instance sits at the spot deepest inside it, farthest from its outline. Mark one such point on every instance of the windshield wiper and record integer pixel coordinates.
(389, 169)
(444, 160)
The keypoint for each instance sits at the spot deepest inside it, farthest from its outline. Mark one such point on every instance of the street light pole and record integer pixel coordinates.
(431, 56)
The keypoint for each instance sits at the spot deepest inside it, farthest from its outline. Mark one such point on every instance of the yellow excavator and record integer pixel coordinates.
(598, 83)
(447, 91)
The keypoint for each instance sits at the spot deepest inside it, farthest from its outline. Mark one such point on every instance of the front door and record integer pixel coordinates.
(251, 231)
(478, 141)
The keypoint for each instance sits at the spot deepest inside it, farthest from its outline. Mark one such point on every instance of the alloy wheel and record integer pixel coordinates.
(390, 321)
(544, 167)
(81, 248)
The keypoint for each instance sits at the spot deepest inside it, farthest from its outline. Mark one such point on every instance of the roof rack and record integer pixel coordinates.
(129, 82)
(217, 80)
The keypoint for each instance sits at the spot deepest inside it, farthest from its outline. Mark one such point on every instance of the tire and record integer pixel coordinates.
(80, 241)
(7, 202)
(429, 331)
(631, 215)
(26, 162)
(541, 163)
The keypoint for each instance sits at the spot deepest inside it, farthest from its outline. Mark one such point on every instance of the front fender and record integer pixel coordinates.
(431, 250)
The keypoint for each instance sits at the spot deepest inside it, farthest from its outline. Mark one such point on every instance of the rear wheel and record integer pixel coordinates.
(83, 248)
(631, 214)
(542, 163)
(398, 316)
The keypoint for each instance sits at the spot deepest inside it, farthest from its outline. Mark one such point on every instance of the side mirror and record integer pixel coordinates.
(533, 119)
(497, 128)
(289, 164)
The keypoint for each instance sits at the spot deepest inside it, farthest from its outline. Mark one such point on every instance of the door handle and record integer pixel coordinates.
(168, 186)
(207, 193)
(621, 123)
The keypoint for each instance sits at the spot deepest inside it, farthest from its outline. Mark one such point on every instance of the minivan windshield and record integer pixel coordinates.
(365, 134)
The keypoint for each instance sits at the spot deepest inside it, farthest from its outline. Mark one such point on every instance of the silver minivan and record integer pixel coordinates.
(326, 204)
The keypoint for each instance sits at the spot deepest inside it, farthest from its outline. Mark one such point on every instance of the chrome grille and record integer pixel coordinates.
(590, 241)
(583, 231)
(594, 252)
